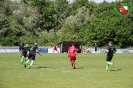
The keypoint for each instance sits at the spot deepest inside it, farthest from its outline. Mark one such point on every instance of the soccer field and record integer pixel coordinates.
(54, 71)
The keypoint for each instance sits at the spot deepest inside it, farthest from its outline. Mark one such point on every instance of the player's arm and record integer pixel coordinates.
(68, 52)
(106, 51)
(28, 51)
(38, 52)
(114, 50)
(19, 48)
(76, 52)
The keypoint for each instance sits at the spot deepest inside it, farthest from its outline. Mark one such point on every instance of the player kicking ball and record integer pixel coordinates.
(110, 52)
(72, 52)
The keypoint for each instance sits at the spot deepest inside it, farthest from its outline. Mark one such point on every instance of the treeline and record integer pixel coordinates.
(52, 21)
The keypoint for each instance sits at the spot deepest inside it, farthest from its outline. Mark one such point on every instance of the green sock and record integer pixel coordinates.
(110, 63)
(21, 60)
(107, 66)
(31, 63)
(27, 61)
(24, 59)
(20, 54)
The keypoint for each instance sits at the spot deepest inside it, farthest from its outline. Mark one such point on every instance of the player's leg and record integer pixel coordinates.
(57, 50)
(22, 60)
(25, 56)
(53, 50)
(28, 59)
(71, 61)
(108, 63)
(74, 64)
(110, 58)
(32, 61)
(96, 51)
(107, 66)
(20, 53)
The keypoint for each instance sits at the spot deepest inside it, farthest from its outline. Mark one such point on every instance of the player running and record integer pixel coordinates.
(110, 51)
(55, 49)
(32, 54)
(72, 52)
(21, 45)
(25, 49)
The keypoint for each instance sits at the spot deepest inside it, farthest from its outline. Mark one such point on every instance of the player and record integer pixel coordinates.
(72, 52)
(95, 46)
(55, 49)
(110, 51)
(25, 49)
(32, 54)
(21, 45)
(88, 50)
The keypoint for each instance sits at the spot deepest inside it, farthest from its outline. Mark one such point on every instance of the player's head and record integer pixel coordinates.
(27, 45)
(72, 45)
(36, 43)
(21, 42)
(110, 43)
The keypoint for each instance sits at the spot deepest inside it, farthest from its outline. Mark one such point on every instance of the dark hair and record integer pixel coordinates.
(111, 42)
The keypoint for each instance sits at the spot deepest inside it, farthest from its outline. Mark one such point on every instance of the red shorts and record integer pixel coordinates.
(55, 49)
(72, 56)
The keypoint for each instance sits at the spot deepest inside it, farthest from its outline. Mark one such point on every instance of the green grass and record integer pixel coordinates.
(54, 71)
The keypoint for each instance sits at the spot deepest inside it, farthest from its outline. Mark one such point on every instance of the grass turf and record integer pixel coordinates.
(54, 71)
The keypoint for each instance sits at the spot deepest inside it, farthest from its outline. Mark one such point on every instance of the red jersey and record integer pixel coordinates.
(72, 50)
(55, 47)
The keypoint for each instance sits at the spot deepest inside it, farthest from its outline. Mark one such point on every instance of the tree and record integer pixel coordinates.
(73, 24)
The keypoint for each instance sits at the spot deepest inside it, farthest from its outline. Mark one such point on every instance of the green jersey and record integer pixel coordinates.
(21, 45)
(33, 49)
(111, 50)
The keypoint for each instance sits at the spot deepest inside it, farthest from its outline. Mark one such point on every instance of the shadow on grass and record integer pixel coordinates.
(116, 70)
(79, 68)
(41, 67)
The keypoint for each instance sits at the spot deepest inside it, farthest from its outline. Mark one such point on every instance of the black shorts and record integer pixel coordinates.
(32, 56)
(95, 49)
(109, 57)
(24, 54)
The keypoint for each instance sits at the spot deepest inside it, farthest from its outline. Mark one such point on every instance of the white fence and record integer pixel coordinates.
(117, 50)
(50, 50)
(16, 50)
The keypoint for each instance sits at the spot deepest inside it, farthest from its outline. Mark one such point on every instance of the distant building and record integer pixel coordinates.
(64, 45)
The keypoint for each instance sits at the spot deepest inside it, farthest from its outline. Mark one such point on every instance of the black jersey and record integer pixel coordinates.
(25, 49)
(33, 49)
(111, 50)
(21, 45)
(95, 45)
